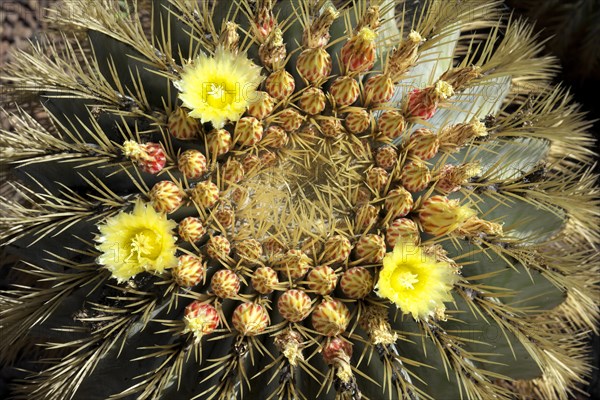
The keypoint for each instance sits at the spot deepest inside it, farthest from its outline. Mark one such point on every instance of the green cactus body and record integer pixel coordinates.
(200, 214)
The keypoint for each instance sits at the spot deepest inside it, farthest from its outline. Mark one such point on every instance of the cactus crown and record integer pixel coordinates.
(261, 199)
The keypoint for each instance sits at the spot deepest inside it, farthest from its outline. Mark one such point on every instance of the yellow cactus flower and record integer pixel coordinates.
(220, 88)
(135, 242)
(415, 281)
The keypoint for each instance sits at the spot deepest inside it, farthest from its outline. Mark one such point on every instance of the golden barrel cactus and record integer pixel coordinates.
(284, 199)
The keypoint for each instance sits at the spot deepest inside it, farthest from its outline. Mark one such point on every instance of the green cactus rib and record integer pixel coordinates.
(521, 243)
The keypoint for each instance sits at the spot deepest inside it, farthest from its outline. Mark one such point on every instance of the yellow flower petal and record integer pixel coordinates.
(135, 242)
(220, 88)
(416, 282)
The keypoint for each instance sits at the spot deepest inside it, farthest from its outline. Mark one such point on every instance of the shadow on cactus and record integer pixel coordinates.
(292, 200)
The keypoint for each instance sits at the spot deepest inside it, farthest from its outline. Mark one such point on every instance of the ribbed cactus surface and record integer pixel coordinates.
(288, 199)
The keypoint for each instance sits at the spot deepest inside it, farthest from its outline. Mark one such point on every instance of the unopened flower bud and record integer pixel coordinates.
(250, 319)
(423, 144)
(182, 126)
(415, 176)
(166, 196)
(344, 90)
(379, 89)
(218, 142)
(192, 164)
(280, 84)
(225, 284)
(330, 318)
(359, 54)
(314, 64)
(356, 283)
(423, 103)
(370, 249)
(440, 216)
(263, 105)
(358, 121)
(200, 319)
(312, 101)
(248, 131)
(189, 271)
(191, 229)
(205, 194)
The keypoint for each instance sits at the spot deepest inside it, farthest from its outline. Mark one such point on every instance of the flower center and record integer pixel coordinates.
(217, 91)
(144, 244)
(402, 280)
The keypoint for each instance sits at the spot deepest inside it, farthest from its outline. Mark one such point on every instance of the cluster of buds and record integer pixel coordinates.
(150, 157)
